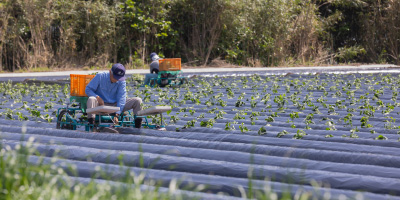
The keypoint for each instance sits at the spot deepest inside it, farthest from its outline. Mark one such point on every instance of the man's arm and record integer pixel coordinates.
(121, 97)
(92, 86)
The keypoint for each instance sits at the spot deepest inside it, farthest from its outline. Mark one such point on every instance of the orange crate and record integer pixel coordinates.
(79, 83)
(170, 64)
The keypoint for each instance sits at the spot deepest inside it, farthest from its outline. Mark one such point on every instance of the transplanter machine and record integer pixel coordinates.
(75, 114)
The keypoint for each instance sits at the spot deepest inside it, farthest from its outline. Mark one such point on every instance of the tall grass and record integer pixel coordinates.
(25, 174)
(22, 179)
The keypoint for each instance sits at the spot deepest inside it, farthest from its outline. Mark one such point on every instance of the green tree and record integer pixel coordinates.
(199, 25)
(148, 27)
(58, 33)
(265, 33)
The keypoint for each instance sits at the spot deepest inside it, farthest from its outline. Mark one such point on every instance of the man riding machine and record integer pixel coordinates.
(164, 72)
(106, 103)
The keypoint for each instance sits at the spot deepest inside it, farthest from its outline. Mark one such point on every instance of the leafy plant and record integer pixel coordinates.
(220, 115)
(209, 123)
(262, 131)
(190, 124)
(243, 128)
(253, 104)
(282, 133)
(331, 125)
(192, 112)
(238, 116)
(174, 119)
(390, 123)
(200, 116)
(280, 100)
(275, 114)
(348, 119)
(299, 134)
(239, 103)
(229, 126)
(21, 117)
(364, 122)
(270, 119)
(9, 114)
(353, 135)
(48, 105)
(381, 137)
(47, 117)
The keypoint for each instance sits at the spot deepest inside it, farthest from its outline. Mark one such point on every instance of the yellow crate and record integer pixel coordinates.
(79, 83)
(170, 64)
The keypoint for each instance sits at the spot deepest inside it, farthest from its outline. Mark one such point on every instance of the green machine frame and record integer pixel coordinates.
(174, 78)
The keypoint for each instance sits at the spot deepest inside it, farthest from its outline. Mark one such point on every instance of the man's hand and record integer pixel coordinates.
(116, 119)
(100, 100)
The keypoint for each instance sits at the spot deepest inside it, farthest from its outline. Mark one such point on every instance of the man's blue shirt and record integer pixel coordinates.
(101, 86)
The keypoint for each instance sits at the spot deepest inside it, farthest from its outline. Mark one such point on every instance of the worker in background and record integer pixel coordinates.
(154, 68)
(109, 88)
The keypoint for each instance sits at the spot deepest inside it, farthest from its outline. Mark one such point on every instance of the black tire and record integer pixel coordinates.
(62, 118)
(164, 82)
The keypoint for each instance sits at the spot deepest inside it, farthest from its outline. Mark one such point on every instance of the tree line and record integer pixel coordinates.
(64, 33)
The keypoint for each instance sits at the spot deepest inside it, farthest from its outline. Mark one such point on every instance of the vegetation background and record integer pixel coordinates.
(59, 34)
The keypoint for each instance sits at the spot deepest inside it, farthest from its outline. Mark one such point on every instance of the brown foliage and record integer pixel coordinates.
(381, 31)
(303, 41)
(60, 33)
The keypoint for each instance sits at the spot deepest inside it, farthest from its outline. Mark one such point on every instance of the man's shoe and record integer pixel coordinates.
(138, 122)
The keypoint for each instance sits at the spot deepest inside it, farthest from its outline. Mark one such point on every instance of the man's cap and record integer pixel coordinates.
(154, 56)
(118, 71)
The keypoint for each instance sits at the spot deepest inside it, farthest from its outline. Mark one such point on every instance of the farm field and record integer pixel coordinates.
(319, 135)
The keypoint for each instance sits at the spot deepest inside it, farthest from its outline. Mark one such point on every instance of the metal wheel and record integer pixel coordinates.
(62, 117)
(164, 82)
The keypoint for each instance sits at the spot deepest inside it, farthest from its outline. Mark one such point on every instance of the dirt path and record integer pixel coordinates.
(273, 70)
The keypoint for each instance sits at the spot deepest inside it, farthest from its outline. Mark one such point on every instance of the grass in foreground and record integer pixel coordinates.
(20, 179)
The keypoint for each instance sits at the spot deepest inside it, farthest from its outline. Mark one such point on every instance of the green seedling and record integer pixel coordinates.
(270, 119)
(262, 131)
(348, 119)
(381, 137)
(300, 134)
(190, 124)
(364, 122)
(243, 128)
(239, 103)
(282, 133)
(293, 116)
(390, 124)
(238, 116)
(174, 119)
(220, 115)
(331, 126)
(209, 123)
(200, 116)
(229, 126)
